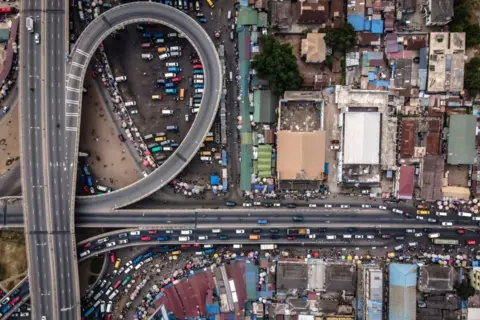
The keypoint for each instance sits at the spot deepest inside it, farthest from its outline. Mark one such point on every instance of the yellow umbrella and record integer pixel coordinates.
(175, 257)
(349, 258)
(215, 255)
(359, 261)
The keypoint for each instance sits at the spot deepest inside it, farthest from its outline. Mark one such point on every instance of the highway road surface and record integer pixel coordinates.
(86, 46)
(33, 160)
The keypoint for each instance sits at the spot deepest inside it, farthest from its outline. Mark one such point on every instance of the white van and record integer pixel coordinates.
(130, 103)
(167, 112)
(198, 76)
(198, 81)
(205, 158)
(147, 56)
(169, 75)
(331, 237)
(103, 188)
(164, 56)
(84, 253)
(398, 248)
(121, 78)
(465, 214)
(237, 246)
(216, 230)
(230, 75)
(183, 238)
(109, 306)
(195, 110)
(203, 238)
(199, 90)
(434, 235)
(347, 236)
(476, 218)
(186, 232)
(176, 54)
(229, 14)
(441, 214)
(175, 48)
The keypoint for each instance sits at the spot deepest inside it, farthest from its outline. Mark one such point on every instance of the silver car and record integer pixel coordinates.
(37, 38)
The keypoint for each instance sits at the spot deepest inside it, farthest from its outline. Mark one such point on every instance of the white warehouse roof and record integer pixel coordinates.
(361, 138)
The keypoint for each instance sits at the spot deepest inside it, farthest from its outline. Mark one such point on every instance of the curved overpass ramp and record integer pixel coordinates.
(85, 47)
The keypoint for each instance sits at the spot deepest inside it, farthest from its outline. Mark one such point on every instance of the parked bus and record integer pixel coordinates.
(157, 149)
(182, 94)
(445, 241)
(125, 281)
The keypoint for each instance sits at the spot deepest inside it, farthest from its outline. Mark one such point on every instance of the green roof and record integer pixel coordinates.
(262, 20)
(264, 103)
(461, 139)
(4, 35)
(264, 161)
(247, 17)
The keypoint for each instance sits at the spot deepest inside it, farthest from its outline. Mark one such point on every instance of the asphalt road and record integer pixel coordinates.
(33, 160)
(85, 47)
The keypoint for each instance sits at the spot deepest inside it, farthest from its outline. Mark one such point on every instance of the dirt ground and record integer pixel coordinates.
(110, 161)
(300, 116)
(9, 143)
(13, 259)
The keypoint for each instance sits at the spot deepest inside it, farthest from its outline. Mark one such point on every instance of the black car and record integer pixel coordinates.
(291, 205)
(274, 236)
(231, 204)
(322, 230)
(427, 229)
(268, 205)
(400, 238)
(408, 215)
(432, 220)
(274, 230)
(256, 231)
(352, 229)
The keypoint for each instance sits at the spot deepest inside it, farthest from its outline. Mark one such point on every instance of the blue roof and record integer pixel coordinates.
(214, 180)
(377, 26)
(423, 58)
(403, 275)
(357, 21)
(371, 76)
(367, 26)
(375, 310)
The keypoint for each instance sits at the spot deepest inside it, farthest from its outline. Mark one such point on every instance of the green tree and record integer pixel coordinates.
(278, 65)
(341, 39)
(472, 33)
(465, 290)
(472, 76)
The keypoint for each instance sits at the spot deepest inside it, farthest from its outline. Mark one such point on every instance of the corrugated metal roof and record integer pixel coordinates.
(405, 188)
(461, 139)
(247, 17)
(264, 161)
(362, 138)
(402, 297)
(357, 21)
(407, 142)
(264, 103)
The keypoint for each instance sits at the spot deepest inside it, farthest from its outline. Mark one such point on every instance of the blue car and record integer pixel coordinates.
(147, 35)
(170, 85)
(90, 181)
(158, 35)
(198, 71)
(203, 20)
(162, 238)
(198, 86)
(83, 179)
(174, 69)
(262, 221)
(208, 251)
(171, 91)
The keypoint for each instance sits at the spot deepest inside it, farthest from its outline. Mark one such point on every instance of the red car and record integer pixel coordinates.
(177, 79)
(471, 242)
(112, 257)
(121, 137)
(185, 246)
(152, 231)
(94, 74)
(85, 188)
(461, 231)
(196, 245)
(87, 245)
(197, 66)
(195, 61)
(146, 238)
(291, 238)
(386, 236)
(14, 301)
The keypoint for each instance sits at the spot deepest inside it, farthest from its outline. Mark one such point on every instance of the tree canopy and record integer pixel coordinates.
(278, 65)
(464, 21)
(472, 76)
(340, 39)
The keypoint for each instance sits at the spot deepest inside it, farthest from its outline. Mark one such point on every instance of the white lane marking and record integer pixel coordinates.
(69, 114)
(74, 77)
(72, 89)
(83, 53)
(71, 129)
(72, 101)
(78, 65)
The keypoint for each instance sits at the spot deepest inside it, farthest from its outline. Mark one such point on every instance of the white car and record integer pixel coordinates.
(277, 204)
(397, 211)
(328, 206)
(359, 236)
(186, 117)
(111, 244)
(382, 207)
(186, 232)
(418, 234)
(37, 38)
(203, 238)
(345, 206)
(171, 64)
(447, 223)
(312, 205)
(370, 236)
(135, 233)
(312, 236)
(239, 231)
(247, 204)
(410, 230)
(419, 218)
(237, 246)
(169, 231)
(257, 203)
(123, 241)
(366, 206)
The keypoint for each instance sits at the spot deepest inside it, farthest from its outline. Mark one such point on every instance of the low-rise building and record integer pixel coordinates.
(402, 302)
(438, 12)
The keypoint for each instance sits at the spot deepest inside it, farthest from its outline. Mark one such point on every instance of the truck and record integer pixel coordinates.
(29, 24)
(268, 246)
(445, 241)
(300, 231)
